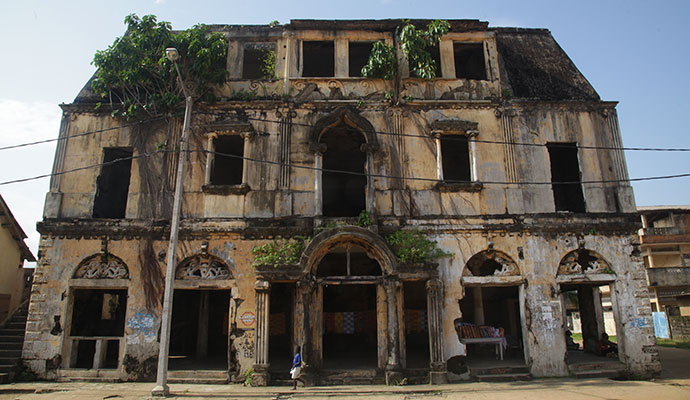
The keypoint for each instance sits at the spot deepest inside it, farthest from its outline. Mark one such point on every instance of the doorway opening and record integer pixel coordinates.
(97, 327)
(416, 328)
(491, 318)
(350, 329)
(199, 330)
(281, 340)
(344, 192)
(588, 316)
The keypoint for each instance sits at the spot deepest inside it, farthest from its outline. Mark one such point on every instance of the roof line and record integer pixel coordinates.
(19, 234)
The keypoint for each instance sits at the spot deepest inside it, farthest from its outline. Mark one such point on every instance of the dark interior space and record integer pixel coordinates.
(435, 53)
(416, 326)
(586, 299)
(565, 177)
(469, 61)
(280, 342)
(112, 185)
(349, 339)
(358, 56)
(99, 312)
(252, 63)
(497, 307)
(348, 261)
(227, 161)
(199, 329)
(318, 58)
(343, 193)
(455, 156)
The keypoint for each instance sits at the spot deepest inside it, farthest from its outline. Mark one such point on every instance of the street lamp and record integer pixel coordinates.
(162, 388)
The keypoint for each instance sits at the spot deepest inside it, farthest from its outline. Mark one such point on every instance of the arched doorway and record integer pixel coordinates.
(492, 309)
(351, 295)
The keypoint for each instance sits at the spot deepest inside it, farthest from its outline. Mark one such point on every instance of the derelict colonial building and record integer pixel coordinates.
(509, 160)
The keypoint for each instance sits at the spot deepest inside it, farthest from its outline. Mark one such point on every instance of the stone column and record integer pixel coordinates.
(260, 377)
(305, 308)
(438, 374)
(371, 191)
(393, 367)
(478, 305)
(318, 150)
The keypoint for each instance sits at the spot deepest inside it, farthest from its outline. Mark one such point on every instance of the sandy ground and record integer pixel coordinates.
(674, 383)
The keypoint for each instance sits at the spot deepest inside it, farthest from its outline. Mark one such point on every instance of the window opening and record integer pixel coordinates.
(565, 177)
(199, 329)
(253, 60)
(227, 160)
(416, 325)
(588, 316)
(455, 155)
(344, 194)
(358, 57)
(469, 61)
(348, 260)
(435, 53)
(318, 59)
(112, 185)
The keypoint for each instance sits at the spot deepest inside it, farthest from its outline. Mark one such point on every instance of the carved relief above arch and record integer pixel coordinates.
(583, 262)
(346, 116)
(101, 266)
(491, 263)
(203, 267)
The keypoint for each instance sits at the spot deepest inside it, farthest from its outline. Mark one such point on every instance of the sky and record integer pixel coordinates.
(633, 52)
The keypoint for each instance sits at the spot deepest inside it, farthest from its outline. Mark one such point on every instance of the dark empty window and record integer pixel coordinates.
(318, 59)
(112, 184)
(99, 312)
(358, 56)
(343, 192)
(565, 177)
(469, 61)
(455, 156)
(227, 160)
(436, 56)
(254, 60)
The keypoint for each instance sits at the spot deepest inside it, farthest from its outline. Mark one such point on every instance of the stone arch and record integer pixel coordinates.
(203, 266)
(101, 266)
(347, 116)
(374, 246)
(491, 263)
(583, 262)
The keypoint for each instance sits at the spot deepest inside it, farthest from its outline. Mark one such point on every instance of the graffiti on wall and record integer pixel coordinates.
(143, 326)
(640, 322)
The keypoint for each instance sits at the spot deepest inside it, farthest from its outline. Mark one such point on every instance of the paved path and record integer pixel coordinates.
(674, 383)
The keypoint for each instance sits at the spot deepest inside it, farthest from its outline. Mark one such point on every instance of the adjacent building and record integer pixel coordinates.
(508, 160)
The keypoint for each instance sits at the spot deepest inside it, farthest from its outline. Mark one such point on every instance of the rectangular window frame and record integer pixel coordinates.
(473, 184)
(226, 189)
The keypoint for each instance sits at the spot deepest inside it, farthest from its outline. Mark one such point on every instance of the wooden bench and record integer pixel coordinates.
(497, 341)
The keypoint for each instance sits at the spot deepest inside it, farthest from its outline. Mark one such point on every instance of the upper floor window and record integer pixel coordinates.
(469, 61)
(227, 162)
(112, 185)
(455, 156)
(565, 177)
(318, 59)
(254, 60)
(358, 55)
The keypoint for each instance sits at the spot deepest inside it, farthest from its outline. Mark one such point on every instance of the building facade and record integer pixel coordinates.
(665, 243)
(13, 253)
(508, 160)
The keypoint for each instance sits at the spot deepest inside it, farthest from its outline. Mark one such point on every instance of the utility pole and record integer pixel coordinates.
(162, 388)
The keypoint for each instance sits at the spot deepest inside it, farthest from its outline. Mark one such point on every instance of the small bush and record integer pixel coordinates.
(280, 252)
(412, 246)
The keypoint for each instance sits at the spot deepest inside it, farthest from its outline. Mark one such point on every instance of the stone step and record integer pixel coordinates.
(596, 365)
(199, 381)
(5, 360)
(7, 367)
(88, 375)
(598, 373)
(15, 325)
(16, 353)
(13, 339)
(10, 345)
(198, 374)
(504, 377)
(4, 377)
(500, 370)
(99, 379)
(12, 332)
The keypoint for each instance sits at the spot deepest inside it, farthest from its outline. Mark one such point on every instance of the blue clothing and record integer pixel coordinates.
(297, 361)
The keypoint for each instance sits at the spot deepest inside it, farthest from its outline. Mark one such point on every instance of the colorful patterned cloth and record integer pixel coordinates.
(350, 322)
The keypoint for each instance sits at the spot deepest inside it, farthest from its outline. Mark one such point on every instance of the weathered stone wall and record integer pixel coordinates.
(680, 327)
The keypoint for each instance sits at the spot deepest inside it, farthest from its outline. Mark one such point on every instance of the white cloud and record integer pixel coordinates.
(22, 122)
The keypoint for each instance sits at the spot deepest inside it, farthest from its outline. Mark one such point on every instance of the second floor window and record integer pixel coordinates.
(112, 185)
(469, 61)
(318, 59)
(455, 156)
(226, 168)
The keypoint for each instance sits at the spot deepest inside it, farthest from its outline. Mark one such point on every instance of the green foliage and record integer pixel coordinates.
(274, 23)
(268, 65)
(135, 76)
(364, 219)
(248, 377)
(280, 252)
(677, 343)
(382, 62)
(414, 43)
(412, 246)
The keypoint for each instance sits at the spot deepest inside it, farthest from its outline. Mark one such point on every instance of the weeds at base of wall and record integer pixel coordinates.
(248, 377)
(24, 373)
